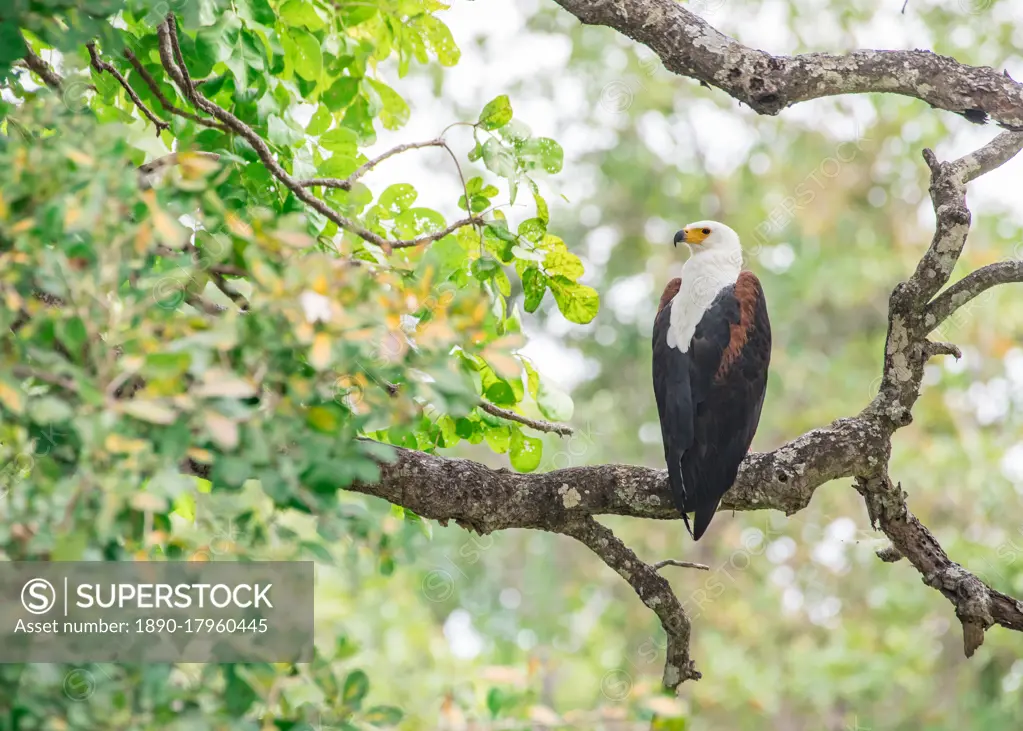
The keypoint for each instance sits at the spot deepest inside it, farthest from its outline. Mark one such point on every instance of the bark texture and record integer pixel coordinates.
(689, 46)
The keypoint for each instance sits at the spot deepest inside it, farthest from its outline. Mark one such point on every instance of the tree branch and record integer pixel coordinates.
(101, 66)
(151, 172)
(170, 57)
(652, 588)
(911, 317)
(444, 488)
(42, 69)
(687, 45)
(162, 98)
(348, 182)
(970, 286)
(977, 605)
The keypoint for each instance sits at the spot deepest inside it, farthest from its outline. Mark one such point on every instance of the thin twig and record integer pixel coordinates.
(151, 171)
(101, 66)
(46, 377)
(538, 424)
(173, 22)
(348, 182)
(203, 304)
(219, 281)
(167, 41)
(682, 564)
(42, 69)
(162, 98)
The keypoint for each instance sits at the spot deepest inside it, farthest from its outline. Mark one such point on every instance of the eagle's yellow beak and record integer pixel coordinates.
(691, 236)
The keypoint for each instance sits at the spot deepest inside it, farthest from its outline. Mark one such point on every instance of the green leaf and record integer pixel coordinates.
(301, 13)
(243, 55)
(496, 113)
(577, 302)
(303, 50)
(49, 410)
(257, 10)
(395, 112)
(338, 166)
(341, 141)
(502, 282)
(355, 689)
(478, 204)
(534, 286)
(498, 438)
(398, 197)
(525, 451)
(73, 334)
(542, 153)
(320, 122)
(318, 551)
(532, 377)
(359, 119)
(166, 365)
(416, 221)
(542, 212)
(341, 93)
(533, 229)
(563, 263)
(70, 546)
(485, 267)
(384, 715)
(326, 419)
(499, 159)
(440, 40)
(516, 131)
(554, 403)
(238, 695)
(282, 133)
(495, 700)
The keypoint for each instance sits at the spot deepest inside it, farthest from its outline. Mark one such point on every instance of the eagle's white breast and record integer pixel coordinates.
(703, 276)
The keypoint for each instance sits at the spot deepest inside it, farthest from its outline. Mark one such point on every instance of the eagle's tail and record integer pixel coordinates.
(678, 489)
(704, 514)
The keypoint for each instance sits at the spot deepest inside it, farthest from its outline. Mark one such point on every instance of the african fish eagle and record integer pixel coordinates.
(712, 347)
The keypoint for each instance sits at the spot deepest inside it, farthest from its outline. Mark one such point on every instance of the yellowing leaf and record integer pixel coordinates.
(194, 165)
(200, 455)
(118, 444)
(79, 157)
(148, 502)
(152, 411)
(237, 226)
(294, 239)
(324, 419)
(223, 430)
(222, 383)
(11, 396)
(319, 354)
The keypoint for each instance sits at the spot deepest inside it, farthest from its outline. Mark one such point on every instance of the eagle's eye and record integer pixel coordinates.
(706, 232)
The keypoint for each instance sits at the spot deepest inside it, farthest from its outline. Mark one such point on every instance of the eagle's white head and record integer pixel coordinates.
(715, 263)
(704, 237)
